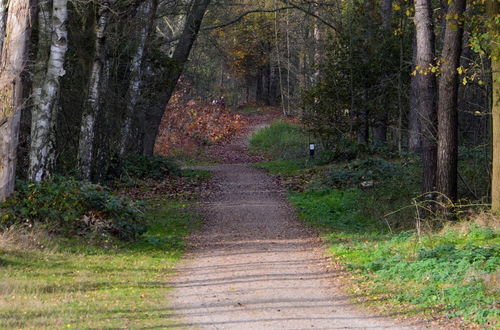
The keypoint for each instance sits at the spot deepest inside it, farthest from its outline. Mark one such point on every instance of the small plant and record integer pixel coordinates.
(145, 167)
(369, 169)
(68, 207)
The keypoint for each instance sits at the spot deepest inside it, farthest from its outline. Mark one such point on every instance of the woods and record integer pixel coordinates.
(127, 126)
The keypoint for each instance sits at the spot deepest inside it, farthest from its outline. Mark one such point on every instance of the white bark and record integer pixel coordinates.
(146, 14)
(12, 62)
(93, 104)
(3, 18)
(42, 149)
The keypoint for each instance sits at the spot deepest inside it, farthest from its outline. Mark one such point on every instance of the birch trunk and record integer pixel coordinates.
(426, 90)
(447, 154)
(146, 13)
(92, 105)
(44, 114)
(12, 62)
(3, 17)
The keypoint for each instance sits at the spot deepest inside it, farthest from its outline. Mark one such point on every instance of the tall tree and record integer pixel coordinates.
(46, 94)
(414, 134)
(380, 125)
(180, 57)
(92, 105)
(493, 10)
(145, 19)
(447, 152)
(12, 63)
(425, 64)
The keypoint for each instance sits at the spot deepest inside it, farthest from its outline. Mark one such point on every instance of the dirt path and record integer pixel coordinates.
(255, 266)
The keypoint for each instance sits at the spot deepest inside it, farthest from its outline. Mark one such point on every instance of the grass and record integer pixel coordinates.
(281, 140)
(453, 270)
(449, 270)
(74, 284)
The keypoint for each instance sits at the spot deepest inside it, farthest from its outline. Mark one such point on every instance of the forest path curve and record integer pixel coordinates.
(253, 265)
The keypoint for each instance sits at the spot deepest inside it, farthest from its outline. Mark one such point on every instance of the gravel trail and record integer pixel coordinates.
(255, 266)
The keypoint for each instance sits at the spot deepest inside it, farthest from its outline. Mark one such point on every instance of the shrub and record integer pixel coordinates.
(68, 207)
(362, 170)
(281, 140)
(145, 167)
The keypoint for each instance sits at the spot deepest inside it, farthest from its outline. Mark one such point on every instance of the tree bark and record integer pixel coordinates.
(414, 134)
(493, 9)
(180, 57)
(146, 14)
(3, 18)
(44, 114)
(92, 105)
(427, 90)
(380, 126)
(12, 63)
(447, 153)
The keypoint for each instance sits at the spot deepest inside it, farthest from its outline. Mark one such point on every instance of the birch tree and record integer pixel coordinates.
(46, 92)
(12, 63)
(92, 105)
(145, 14)
(3, 17)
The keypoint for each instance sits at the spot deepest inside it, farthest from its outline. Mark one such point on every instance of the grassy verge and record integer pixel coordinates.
(449, 269)
(55, 282)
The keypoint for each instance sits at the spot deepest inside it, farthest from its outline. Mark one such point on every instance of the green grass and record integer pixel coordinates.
(77, 285)
(453, 270)
(281, 140)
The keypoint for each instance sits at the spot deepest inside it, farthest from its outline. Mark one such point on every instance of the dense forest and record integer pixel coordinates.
(397, 101)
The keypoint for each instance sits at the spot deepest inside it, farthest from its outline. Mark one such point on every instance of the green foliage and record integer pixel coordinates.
(449, 270)
(68, 207)
(76, 285)
(144, 167)
(360, 73)
(369, 169)
(281, 140)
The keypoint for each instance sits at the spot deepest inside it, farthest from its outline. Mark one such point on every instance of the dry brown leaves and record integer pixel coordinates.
(189, 124)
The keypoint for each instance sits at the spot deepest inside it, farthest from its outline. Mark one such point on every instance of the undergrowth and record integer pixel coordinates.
(73, 284)
(67, 207)
(449, 268)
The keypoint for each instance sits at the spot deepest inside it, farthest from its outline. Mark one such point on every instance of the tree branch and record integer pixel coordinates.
(239, 18)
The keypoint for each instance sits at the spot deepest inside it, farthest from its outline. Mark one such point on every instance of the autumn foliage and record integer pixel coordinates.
(188, 124)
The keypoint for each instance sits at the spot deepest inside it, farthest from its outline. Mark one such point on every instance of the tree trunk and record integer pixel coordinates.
(3, 18)
(414, 134)
(493, 9)
(380, 126)
(44, 113)
(447, 153)
(12, 62)
(426, 91)
(259, 92)
(181, 54)
(92, 105)
(146, 14)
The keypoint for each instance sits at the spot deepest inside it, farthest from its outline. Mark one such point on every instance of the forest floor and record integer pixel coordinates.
(253, 265)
